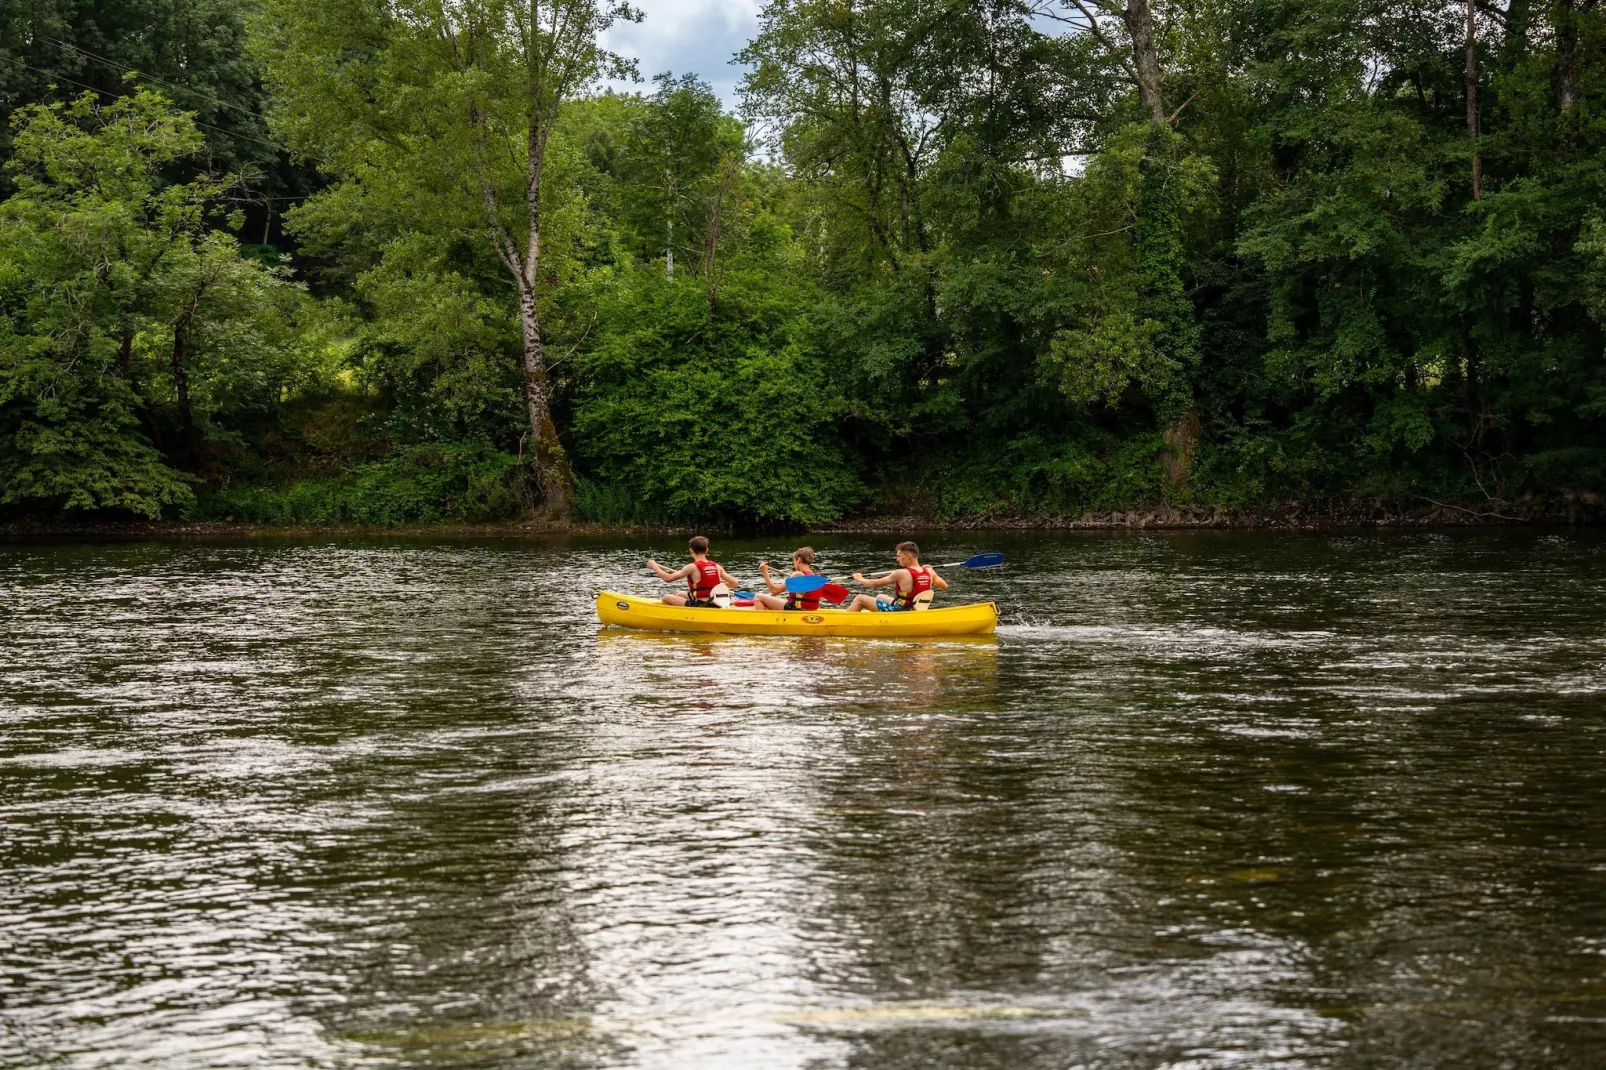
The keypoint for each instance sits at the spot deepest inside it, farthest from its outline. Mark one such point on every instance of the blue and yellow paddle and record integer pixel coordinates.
(829, 592)
(796, 585)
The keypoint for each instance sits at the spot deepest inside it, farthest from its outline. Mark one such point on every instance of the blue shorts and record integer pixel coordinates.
(889, 607)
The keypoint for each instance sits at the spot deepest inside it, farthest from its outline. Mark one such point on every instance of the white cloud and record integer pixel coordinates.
(689, 36)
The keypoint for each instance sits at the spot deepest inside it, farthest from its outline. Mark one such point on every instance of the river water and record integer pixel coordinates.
(1207, 800)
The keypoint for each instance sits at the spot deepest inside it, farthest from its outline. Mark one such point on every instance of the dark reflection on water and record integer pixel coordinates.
(1206, 801)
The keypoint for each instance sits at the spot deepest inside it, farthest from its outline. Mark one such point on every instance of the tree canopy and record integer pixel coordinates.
(385, 261)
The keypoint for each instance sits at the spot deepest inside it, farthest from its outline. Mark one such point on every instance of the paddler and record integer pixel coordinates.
(909, 581)
(702, 576)
(802, 565)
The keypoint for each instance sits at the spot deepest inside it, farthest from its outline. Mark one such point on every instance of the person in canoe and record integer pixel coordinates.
(703, 579)
(779, 597)
(912, 584)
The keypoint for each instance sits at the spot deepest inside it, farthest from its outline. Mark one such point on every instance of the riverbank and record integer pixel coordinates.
(1290, 516)
(1581, 509)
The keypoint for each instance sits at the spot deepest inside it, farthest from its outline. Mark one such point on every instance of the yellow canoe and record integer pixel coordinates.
(626, 611)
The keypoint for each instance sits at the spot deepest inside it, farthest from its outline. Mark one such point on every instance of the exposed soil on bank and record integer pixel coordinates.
(1580, 509)
(1291, 516)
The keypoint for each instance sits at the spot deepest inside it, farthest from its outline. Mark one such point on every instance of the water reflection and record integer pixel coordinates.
(1205, 801)
(769, 672)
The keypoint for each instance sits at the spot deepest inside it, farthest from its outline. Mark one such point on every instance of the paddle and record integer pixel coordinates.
(977, 561)
(834, 593)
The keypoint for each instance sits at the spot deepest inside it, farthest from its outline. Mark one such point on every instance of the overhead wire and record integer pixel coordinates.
(108, 93)
(267, 199)
(216, 101)
(151, 77)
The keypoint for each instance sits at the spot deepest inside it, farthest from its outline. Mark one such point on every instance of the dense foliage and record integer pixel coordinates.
(387, 261)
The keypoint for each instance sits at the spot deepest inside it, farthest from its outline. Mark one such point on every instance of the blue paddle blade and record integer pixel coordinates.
(804, 584)
(742, 594)
(983, 561)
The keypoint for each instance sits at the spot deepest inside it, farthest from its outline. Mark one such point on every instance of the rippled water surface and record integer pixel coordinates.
(1206, 801)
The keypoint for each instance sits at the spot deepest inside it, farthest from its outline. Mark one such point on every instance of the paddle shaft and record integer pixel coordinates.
(890, 571)
(987, 560)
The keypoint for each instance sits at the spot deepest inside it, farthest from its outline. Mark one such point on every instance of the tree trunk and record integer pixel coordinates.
(552, 473)
(1139, 19)
(1564, 16)
(1472, 99)
(1181, 442)
(181, 384)
(125, 353)
(546, 452)
(730, 170)
(1515, 42)
(181, 378)
(1181, 437)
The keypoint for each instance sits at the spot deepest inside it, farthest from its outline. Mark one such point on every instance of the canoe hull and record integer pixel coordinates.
(626, 611)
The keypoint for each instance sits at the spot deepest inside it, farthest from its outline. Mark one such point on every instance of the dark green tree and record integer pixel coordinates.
(193, 51)
(124, 311)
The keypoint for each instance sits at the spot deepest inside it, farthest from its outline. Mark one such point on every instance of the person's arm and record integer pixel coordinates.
(729, 580)
(775, 588)
(666, 575)
(882, 581)
(936, 580)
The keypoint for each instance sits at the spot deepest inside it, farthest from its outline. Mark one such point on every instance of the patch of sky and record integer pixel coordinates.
(698, 37)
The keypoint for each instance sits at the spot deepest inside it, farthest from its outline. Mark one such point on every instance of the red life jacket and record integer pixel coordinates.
(920, 582)
(700, 584)
(810, 601)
